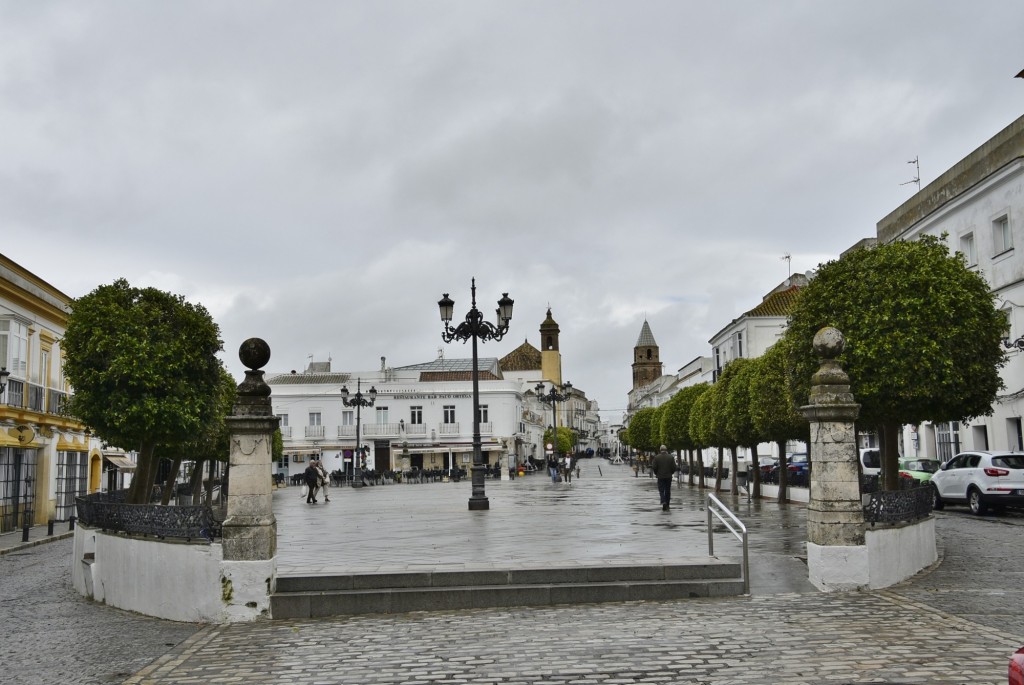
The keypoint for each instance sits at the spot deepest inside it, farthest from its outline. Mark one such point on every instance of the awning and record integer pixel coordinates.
(123, 463)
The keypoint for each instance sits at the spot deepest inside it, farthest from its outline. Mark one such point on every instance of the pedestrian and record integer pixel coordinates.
(567, 467)
(553, 467)
(312, 477)
(324, 480)
(664, 467)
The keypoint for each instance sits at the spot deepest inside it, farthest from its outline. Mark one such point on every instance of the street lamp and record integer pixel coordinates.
(553, 397)
(474, 328)
(4, 373)
(358, 401)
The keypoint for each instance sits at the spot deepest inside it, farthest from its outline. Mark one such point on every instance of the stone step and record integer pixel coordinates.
(363, 593)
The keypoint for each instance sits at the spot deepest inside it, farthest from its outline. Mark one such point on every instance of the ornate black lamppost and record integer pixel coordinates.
(358, 401)
(553, 397)
(473, 328)
(4, 373)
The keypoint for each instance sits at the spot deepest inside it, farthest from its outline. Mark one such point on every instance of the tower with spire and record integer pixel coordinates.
(550, 357)
(647, 366)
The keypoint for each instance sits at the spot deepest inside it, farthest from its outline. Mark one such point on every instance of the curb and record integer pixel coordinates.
(34, 543)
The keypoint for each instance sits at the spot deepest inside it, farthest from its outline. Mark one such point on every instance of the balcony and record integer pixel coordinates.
(55, 400)
(315, 432)
(286, 431)
(448, 428)
(380, 430)
(36, 397)
(347, 431)
(15, 393)
(415, 429)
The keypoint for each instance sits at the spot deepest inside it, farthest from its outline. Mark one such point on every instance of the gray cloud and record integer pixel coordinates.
(319, 173)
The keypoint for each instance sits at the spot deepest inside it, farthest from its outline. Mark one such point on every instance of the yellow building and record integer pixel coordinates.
(46, 459)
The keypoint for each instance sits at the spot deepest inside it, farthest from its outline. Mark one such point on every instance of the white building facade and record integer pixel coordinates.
(978, 205)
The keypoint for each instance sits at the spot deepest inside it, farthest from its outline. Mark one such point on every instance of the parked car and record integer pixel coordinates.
(920, 470)
(799, 467)
(981, 480)
(870, 461)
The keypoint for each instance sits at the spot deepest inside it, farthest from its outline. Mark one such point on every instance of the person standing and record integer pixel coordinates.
(323, 479)
(664, 467)
(567, 468)
(312, 477)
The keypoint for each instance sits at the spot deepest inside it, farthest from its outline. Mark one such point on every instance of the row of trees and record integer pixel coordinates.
(923, 343)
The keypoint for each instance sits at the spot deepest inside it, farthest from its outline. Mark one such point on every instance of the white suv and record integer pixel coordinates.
(981, 480)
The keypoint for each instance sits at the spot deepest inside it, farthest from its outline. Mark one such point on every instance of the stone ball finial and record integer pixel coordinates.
(254, 353)
(829, 343)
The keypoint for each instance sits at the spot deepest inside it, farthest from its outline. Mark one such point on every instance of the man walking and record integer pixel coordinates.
(664, 466)
(312, 478)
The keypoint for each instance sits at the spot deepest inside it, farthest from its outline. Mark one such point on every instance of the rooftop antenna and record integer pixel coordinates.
(917, 178)
(789, 264)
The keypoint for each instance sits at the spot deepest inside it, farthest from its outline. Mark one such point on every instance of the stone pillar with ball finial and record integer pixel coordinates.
(837, 556)
(250, 529)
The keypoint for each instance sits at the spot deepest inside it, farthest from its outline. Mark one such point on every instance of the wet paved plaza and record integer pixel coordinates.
(956, 624)
(606, 516)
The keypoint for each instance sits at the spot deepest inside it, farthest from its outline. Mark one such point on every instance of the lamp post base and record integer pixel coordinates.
(479, 504)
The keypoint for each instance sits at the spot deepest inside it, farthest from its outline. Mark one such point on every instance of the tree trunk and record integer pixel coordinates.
(145, 473)
(754, 477)
(195, 485)
(890, 435)
(783, 472)
(700, 470)
(689, 466)
(169, 483)
(718, 471)
(734, 465)
(211, 471)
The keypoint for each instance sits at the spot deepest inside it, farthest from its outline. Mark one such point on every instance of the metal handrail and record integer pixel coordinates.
(741, 535)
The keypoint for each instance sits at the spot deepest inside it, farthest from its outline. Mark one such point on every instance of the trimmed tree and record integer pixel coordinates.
(701, 425)
(739, 420)
(641, 430)
(675, 423)
(923, 336)
(144, 369)
(772, 408)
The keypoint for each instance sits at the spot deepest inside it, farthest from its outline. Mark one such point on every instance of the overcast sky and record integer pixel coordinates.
(318, 173)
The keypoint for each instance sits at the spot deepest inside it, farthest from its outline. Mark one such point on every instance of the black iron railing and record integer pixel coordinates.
(893, 506)
(109, 512)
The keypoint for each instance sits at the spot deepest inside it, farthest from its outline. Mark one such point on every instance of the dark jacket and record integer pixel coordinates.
(312, 476)
(664, 465)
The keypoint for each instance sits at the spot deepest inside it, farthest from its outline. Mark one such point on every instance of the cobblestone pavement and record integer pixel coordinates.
(53, 635)
(956, 624)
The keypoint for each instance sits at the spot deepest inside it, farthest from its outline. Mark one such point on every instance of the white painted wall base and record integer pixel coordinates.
(898, 552)
(835, 568)
(890, 555)
(179, 581)
(794, 494)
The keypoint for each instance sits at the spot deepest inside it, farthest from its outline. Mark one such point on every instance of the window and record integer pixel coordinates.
(72, 481)
(415, 415)
(14, 347)
(382, 415)
(348, 417)
(737, 344)
(314, 418)
(967, 249)
(1001, 239)
(482, 418)
(449, 413)
(284, 420)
